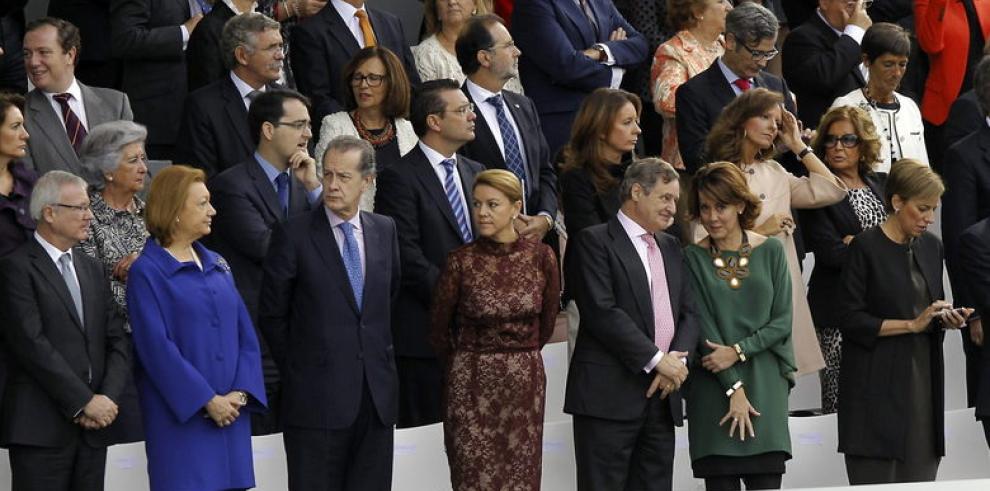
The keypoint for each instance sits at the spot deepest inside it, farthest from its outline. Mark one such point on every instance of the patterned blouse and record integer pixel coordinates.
(674, 63)
(114, 234)
(867, 207)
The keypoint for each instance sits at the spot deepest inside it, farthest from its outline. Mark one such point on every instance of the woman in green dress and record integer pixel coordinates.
(737, 398)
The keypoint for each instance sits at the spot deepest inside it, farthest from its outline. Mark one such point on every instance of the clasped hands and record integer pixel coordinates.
(98, 413)
(669, 374)
(225, 409)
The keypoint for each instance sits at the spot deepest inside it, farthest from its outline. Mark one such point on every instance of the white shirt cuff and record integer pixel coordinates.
(855, 32)
(609, 59)
(617, 74)
(185, 36)
(653, 362)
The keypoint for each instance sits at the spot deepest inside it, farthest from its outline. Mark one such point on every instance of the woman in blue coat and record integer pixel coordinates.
(199, 367)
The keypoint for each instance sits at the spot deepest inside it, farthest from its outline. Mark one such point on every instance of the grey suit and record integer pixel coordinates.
(49, 147)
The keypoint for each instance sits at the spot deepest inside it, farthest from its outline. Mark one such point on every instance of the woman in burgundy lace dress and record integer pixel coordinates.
(494, 309)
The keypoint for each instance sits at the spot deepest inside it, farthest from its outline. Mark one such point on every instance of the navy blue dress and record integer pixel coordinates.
(193, 339)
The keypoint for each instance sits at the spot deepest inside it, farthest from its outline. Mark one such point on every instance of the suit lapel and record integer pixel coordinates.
(672, 272)
(49, 271)
(724, 94)
(581, 22)
(639, 283)
(50, 124)
(339, 30)
(526, 133)
(428, 179)
(234, 107)
(98, 111)
(264, 187)
(483, 135)
(327, 248)
(467, 183)
(374, 259)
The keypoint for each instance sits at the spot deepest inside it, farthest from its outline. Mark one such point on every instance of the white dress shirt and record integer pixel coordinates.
(75, 103)
(436, 159)
(347, 12)
(732, 77)
(487, 110)
(244, 89)
(55, 253)
(338, 235)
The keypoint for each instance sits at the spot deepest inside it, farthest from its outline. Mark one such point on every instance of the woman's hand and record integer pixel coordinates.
(790, 131)
(955, 318)
(222, 410)
(921, 322)
(721, 357)
(775, 225)
(123, 266)
(740, 412)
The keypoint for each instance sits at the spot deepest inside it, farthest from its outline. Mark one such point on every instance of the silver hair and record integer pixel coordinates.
(347, 143)
(103, 146)
(48, 190)
(751, 23)
(646, 172)
(242, 30)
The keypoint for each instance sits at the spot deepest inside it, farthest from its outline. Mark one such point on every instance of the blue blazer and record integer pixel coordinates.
(552, 34)
(193, 339)
(324, 343)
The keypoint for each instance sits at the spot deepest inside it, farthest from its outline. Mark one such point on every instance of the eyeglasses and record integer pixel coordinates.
(373, 79)
(463, 110)
(496, 47)
(760, 55)
(296, 125)
(79, 208)
(848, 140)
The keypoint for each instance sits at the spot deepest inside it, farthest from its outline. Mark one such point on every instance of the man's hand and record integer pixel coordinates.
(672, 367)
(976, 331)
(532, 227)
(101, 410)
(618, 35)
(304, 168)
(859, 17)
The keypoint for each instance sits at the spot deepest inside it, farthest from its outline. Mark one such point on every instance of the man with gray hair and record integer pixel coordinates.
(331, 279)
(68, 355)
(750, 40)
(214, 131)
(638, 325)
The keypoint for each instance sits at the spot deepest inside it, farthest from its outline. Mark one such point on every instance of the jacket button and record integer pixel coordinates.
(763, 196)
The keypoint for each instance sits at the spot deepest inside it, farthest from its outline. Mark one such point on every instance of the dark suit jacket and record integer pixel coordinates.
(214, 131)
(324, 344)
(322, 44)
(820, 66)
(412, 195)
(49, 147)
(148, 41)
(699, 103)
(52, 352)
(874, 384)
(824, 229)
(552, 34)
(615, 338)
(541, 188)
(974, 260)
(965, 117)
(583, 207)
(247, 212)
(203, 55)
(966, 200)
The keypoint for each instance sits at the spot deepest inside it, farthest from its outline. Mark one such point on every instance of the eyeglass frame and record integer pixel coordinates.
(496, 47)
(463, 110)
(361, 79)
(758, 55)
(831, 141)
(80, 208)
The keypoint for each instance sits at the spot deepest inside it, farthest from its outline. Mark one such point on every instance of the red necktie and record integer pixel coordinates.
(74, 128)
(743, 84)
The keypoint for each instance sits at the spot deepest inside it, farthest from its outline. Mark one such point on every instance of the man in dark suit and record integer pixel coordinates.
(974, 260)
(60, 109)
(338, 265)
(967, 201)
(965, 117)
(570, 48)
(324, 43)
(277, 182)
(205, 55)
(822, 57)
(507, 133)
(429, 194)
(214, 131)
(68, 354)
(96, 67)
(750, 39)
(638, 324)
(149, 37)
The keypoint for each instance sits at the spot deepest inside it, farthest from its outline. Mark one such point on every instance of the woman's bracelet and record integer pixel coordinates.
(739, 352)
(732, 390)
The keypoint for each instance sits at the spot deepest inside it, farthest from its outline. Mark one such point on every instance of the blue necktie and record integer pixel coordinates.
(513, 157)
(352, 262)
(454, 197)
(282, 187)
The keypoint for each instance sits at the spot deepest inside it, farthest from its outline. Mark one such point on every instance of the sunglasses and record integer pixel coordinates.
(848, 140)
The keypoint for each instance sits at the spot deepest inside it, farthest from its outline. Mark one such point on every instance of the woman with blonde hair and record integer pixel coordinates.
(746, 134)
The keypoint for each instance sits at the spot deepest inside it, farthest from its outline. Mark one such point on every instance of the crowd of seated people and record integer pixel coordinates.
(226, 218)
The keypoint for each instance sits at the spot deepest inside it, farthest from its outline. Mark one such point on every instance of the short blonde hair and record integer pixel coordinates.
(167, 196)
(910, 179)
(504, 181)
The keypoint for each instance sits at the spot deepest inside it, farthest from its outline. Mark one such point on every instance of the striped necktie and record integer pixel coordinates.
(74, 128)
(455, 200)
(513, 156)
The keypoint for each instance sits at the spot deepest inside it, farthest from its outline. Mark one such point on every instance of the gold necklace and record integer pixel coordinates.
(733, 270)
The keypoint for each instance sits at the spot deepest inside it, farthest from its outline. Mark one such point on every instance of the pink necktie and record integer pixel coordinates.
(663, 316)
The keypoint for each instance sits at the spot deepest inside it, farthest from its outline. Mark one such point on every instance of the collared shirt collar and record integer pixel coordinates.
(242, 87)
(271, 172)
(53, 252)
(435, 157)
(73, 90)
(233, 8)
(830, 26)
(728, 73)
(479, 93)
(632, 229)
(335, 220)
(345, 9)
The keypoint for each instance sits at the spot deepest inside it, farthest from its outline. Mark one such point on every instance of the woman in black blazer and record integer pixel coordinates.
(891, 387)
(604, 134)
(848, 144)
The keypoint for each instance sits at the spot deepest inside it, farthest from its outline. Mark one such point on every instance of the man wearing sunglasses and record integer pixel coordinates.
(823, 58)
(751, 34)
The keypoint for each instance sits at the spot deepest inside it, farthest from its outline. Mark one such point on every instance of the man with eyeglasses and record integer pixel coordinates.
(69, 357)
(823, 57)
(279, 181)
(214, 131)
(750, 37)
(507, 133)
(429, 195)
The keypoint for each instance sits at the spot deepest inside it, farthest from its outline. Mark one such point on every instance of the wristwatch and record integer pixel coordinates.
(602, 54)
